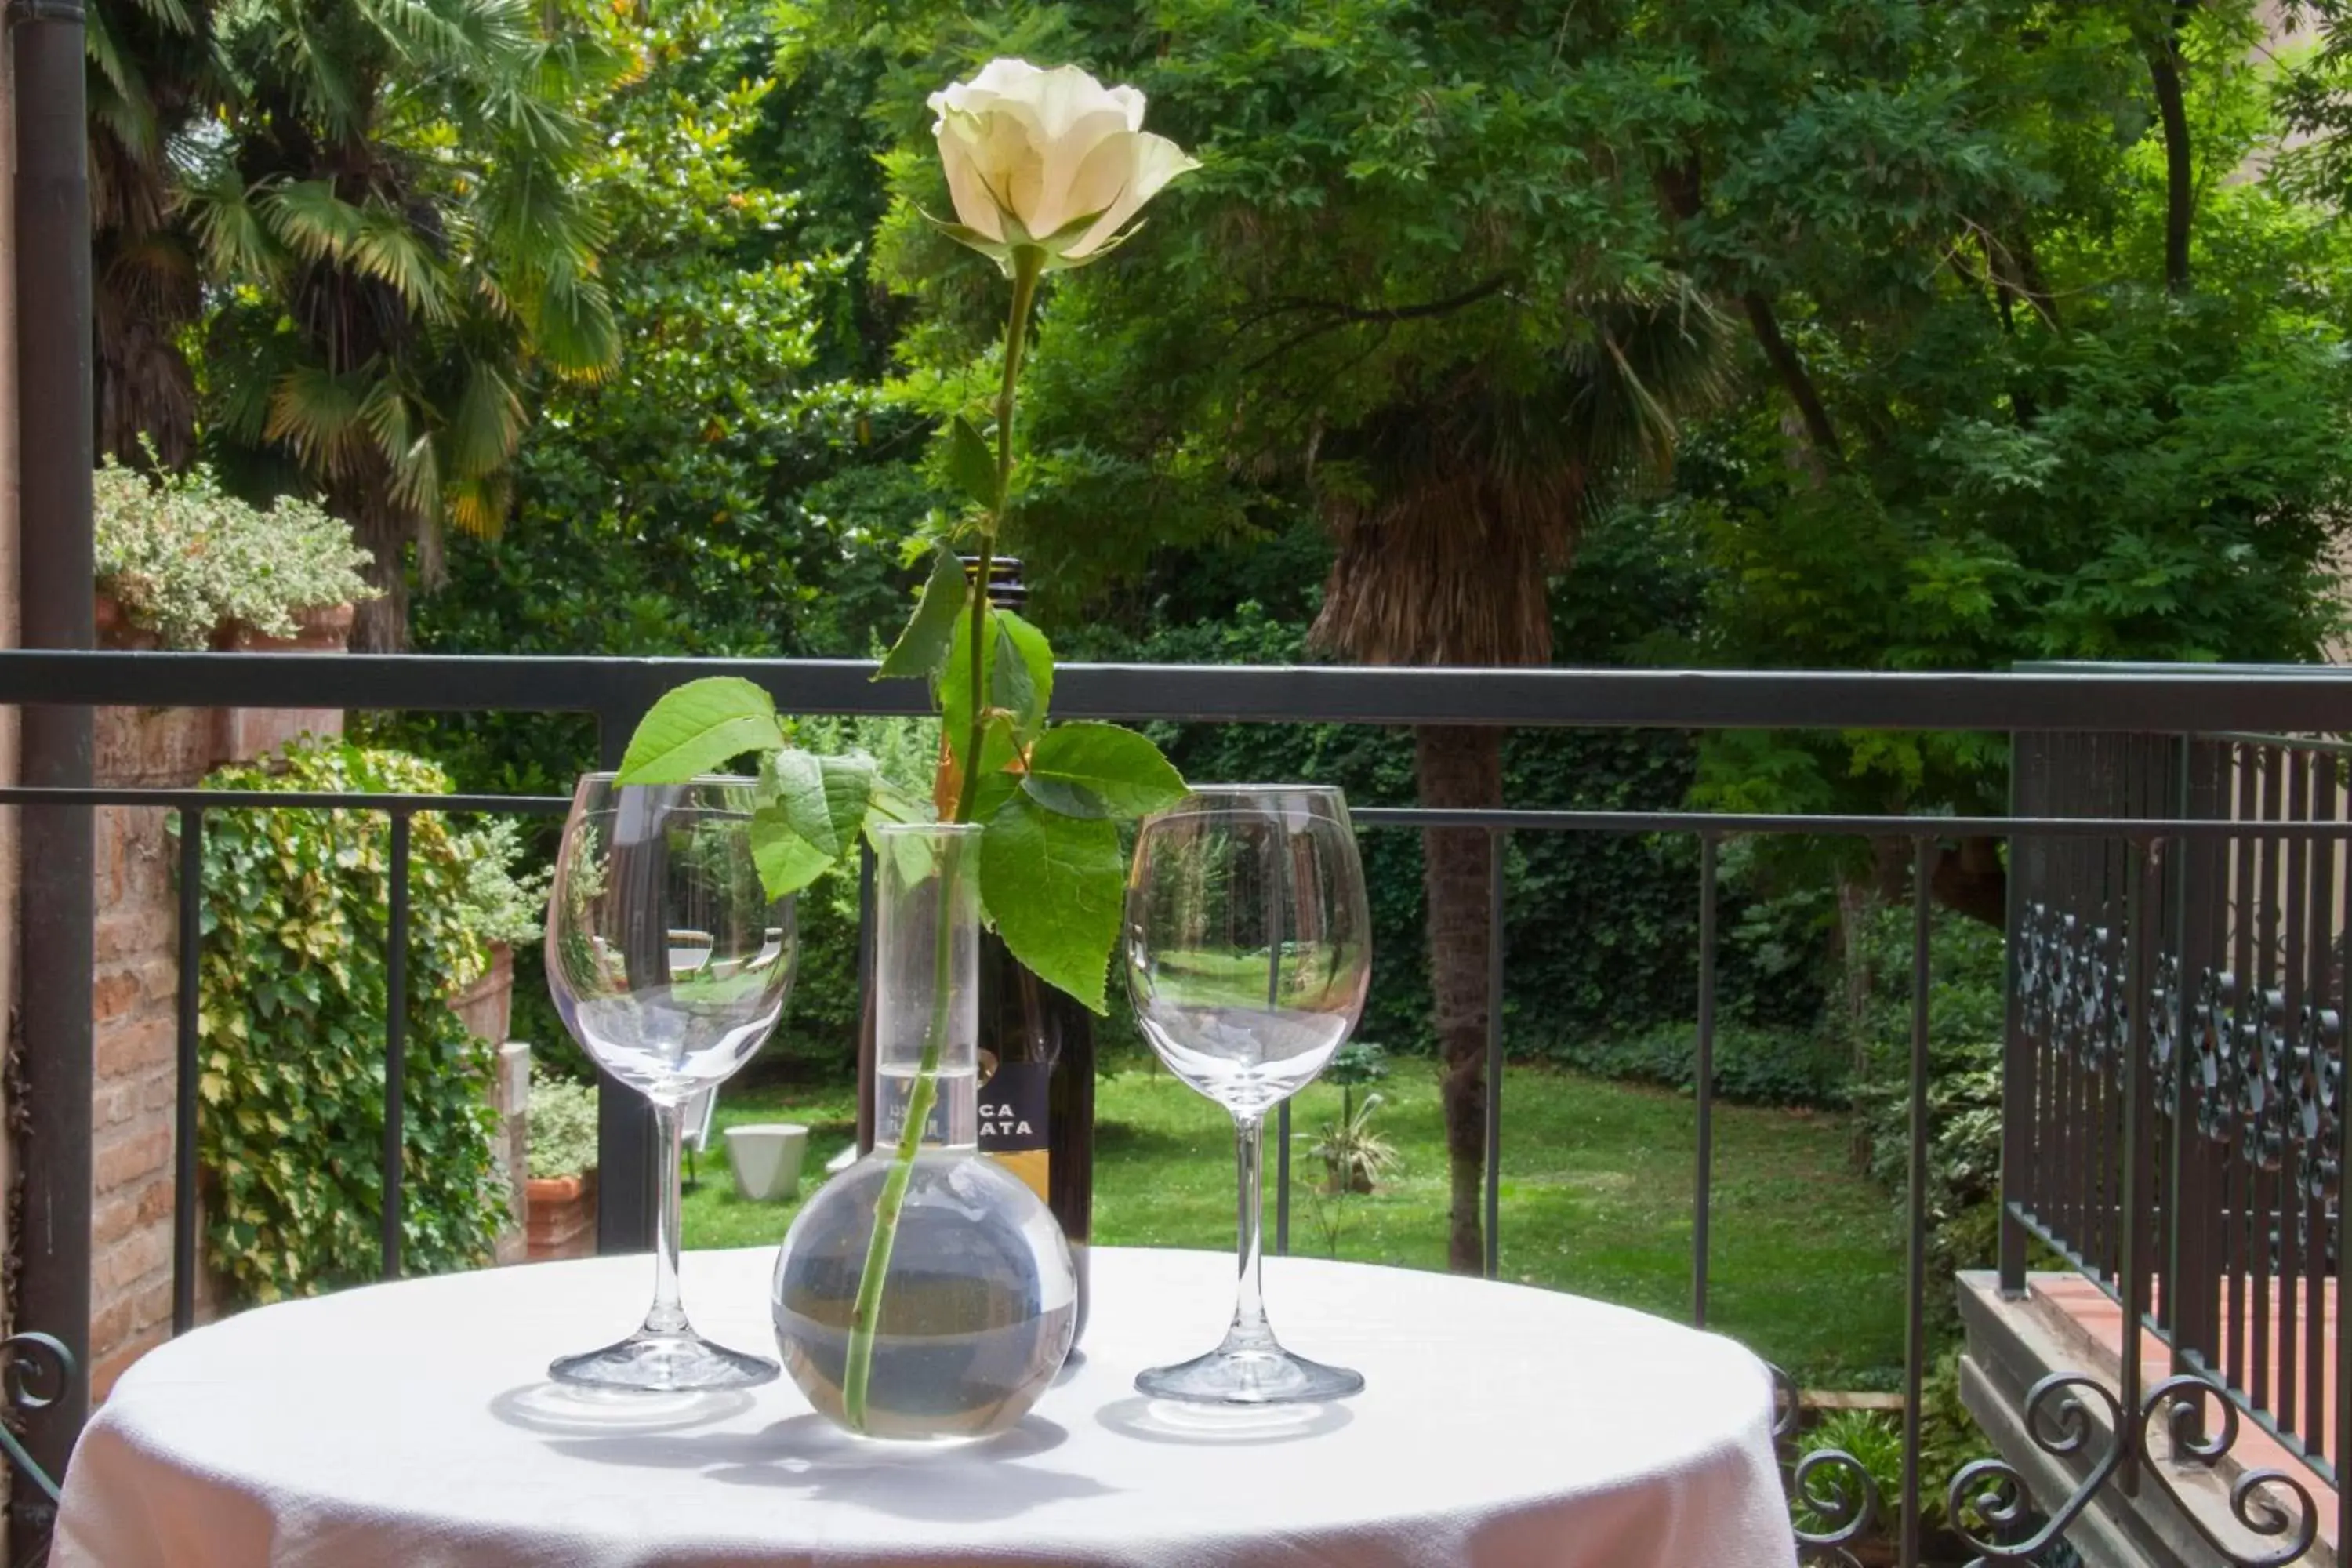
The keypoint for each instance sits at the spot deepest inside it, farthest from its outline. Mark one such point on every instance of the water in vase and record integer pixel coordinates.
(977, 1311)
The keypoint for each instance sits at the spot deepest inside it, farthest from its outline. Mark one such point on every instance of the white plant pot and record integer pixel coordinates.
(766, 1157)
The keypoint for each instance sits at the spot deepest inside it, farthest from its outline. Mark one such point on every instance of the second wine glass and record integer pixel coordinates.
(1248, 946)
(670, 965)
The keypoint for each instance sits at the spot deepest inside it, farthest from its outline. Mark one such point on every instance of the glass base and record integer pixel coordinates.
(1268, 1375)
(664, 1363)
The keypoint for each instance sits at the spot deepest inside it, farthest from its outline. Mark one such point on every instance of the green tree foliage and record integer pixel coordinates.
(392, 204)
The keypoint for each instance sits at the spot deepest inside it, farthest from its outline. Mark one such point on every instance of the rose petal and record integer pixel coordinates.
(975, 207)
(1145, 162)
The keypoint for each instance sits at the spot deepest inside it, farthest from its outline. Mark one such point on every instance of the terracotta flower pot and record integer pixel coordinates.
(562, 1216)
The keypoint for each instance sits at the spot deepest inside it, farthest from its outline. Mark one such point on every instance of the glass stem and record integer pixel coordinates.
(667, 1316)
(1249, 1331)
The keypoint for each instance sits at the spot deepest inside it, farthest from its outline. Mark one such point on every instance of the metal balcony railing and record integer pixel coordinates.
(2086, 1146)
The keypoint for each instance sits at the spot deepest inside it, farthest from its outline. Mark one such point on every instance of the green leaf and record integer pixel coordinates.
(1068, 799)
(1054, 885)
(1037, 663)
(819, 802)
(972, 467)
(994, 790)
(1117, 767)
(824, 798)
(1010, 686)
(787, 861)
(700, 727)
(955, 675)
(924, 644)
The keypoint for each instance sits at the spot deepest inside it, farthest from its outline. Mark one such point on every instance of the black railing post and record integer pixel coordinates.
(2131, 1264)
(2019, 1069)
(1703, 1075)
(1915, 1284)
(56, 575)
(1497, 848)
(625, 1121)
(190, 1070)
(395, 1046)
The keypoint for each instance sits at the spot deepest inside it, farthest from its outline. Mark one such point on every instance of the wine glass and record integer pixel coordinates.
(1248, 953)
(670, 965)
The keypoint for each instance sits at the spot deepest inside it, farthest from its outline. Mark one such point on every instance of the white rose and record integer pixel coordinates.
(1048, 158)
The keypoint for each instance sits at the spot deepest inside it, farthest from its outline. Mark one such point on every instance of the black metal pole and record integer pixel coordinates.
(625, 1121)
(54, 592)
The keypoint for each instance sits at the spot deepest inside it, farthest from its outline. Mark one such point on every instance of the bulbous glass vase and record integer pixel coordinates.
(938, 1307)
(977, 1309)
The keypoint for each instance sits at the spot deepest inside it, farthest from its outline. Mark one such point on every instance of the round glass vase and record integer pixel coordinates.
(925, 1294)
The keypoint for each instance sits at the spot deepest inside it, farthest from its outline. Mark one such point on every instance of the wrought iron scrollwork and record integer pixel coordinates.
(1989, 1504)
(1992, 1509)
(2165, 1022)
(2254, 1499)
(1829, 1486)
(2212, 1033)
(36, 1371)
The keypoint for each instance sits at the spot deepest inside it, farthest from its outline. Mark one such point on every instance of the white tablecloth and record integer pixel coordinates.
(410, 1425)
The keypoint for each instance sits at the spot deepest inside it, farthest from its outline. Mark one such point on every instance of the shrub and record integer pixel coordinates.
(293, 991)
(1753, 1066)
(183, 558)
(1964, 1064)
(562, 1128)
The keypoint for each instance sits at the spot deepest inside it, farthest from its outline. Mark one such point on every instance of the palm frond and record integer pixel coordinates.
(573, 328)
(486, 424)
(317, 415)
(385, 247)
(311, 219)
(238, 244)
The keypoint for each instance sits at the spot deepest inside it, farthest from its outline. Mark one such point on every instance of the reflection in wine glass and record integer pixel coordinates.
(1248, 957)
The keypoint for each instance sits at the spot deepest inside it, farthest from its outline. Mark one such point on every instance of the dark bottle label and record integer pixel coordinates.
(1014, 1122)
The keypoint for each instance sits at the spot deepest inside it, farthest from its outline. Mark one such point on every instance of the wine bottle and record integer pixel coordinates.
(1036, 1064)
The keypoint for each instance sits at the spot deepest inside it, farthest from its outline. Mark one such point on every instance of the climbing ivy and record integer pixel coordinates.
(293, 993)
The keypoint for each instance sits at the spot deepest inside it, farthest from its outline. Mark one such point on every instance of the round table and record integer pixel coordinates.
(411, 1424)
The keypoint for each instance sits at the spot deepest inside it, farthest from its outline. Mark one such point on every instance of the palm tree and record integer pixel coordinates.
(1470, 500)
(152, 77)
(392, 202)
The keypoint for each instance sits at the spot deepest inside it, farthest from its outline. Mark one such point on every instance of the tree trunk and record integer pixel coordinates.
(380, 625)
(2164, 63)
(1460, 768)
(1788, 367)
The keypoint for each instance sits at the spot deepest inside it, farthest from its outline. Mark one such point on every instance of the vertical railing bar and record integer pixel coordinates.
(2342, 1401)
(2237, 1197)
(2099, 1187)
(867, 1133)
(1497, 848)
(2178, 1311)
(1914, 1291)
(2320, 995)
(2266, 1190)
(396, 1043)
(1703, 1183)
(2291, 996)
(188, 1026)
(2204, 888)
(624, 1122)
(2020, 1071)
(2129, 1264)
(1282, 1181)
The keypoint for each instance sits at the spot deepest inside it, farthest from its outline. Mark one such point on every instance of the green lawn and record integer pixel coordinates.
(1597, 1183)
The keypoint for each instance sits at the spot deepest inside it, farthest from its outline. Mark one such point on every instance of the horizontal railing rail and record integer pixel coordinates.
(2181, 699)
(616, 691)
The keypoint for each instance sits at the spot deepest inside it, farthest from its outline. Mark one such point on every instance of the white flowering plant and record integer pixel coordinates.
(183, 558)
(1047, 170)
